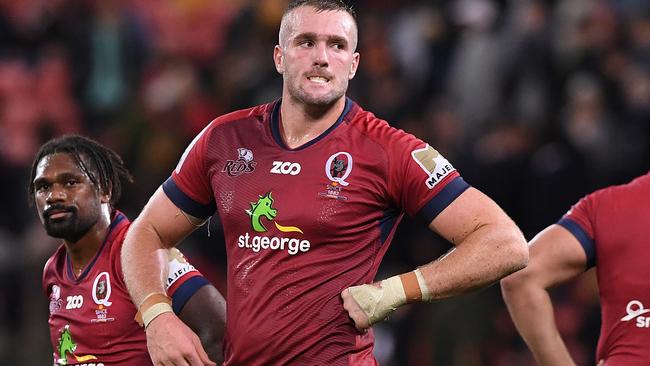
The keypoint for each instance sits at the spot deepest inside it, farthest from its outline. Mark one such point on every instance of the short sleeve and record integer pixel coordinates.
(579, 222)
(183, 280)
(422, 181)
(189, 185)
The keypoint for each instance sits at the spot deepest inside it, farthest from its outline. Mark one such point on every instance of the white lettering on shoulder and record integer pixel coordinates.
(434, 164)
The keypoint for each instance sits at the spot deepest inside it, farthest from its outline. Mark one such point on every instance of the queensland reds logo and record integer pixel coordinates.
(102, 289)
(243, 164)
(55, 299)
(339, 167)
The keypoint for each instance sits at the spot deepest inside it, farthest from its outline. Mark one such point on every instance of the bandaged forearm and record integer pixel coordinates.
(378, 302)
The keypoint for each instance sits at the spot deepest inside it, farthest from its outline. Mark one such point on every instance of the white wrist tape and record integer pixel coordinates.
(155, 310)
(154, 304)
(424, 289)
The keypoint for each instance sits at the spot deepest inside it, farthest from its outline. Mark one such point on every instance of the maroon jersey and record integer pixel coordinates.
(92, 317)
(303, 224)
(612, 225)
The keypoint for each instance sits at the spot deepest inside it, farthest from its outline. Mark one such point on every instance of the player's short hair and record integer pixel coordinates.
(319, 5)
(322, 5)
(103, 166)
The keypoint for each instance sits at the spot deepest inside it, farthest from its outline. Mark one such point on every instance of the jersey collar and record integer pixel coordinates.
(275, 124)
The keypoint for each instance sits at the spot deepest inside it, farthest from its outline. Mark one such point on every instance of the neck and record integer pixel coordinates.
(302, 123)
(84, 249)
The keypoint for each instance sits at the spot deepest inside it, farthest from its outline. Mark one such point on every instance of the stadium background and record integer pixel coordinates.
(535, 102)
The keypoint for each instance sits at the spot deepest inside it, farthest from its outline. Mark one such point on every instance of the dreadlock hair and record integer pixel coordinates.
(103, 166)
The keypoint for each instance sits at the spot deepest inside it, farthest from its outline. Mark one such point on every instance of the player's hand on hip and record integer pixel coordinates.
(371, 303)
(361, 320)
(171, 342)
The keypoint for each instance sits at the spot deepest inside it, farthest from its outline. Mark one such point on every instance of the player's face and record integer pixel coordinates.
(317, 58)
(68, 202)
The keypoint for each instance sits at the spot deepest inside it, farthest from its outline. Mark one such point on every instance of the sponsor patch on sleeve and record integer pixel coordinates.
(178, 266)
(434, 164)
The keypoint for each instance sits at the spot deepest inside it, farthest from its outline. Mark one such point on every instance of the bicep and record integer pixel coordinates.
(555, 256)
(169, 222)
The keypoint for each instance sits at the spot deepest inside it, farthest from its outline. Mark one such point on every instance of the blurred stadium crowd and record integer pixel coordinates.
(535, 102)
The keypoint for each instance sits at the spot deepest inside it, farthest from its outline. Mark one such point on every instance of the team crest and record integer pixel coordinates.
(337, 169)
(102, 289)
(243, 164)
(101, 297)
(434, 164)
(55, 299)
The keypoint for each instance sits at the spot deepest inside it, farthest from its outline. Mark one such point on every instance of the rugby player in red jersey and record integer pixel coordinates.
(75, 184)
(310, 190)
(607, 229)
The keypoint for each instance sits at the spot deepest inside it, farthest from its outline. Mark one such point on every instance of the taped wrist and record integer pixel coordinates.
(153, 305)
(425, 293)
(378, 302)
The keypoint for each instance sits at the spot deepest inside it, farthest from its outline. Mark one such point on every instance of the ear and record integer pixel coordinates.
(105, 195)
(278, 58)
(105, 198)
(354, 66)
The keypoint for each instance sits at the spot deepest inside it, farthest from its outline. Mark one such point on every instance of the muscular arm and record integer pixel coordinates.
(160, 225)
(555, 256)
(205, 314)
(488, 246)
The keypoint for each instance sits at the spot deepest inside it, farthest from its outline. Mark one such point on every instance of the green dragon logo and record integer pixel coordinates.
(264, 208)
(67, 345)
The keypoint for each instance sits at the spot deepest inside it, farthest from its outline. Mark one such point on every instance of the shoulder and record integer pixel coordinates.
(259, 113)
(53, 267)
(627, 191)
(55, 261)
(366, 124)
(638, 185)
(115, 241)
(612, 199)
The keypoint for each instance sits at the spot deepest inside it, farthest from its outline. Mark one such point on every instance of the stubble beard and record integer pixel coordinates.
(298, 93)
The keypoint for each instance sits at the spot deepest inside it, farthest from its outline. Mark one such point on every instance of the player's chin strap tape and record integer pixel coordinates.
(379, 302)
(153, 305)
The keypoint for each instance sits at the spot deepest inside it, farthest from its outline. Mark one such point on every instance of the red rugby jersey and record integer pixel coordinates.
(303, 224)
(613, 226)
(92, 317)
